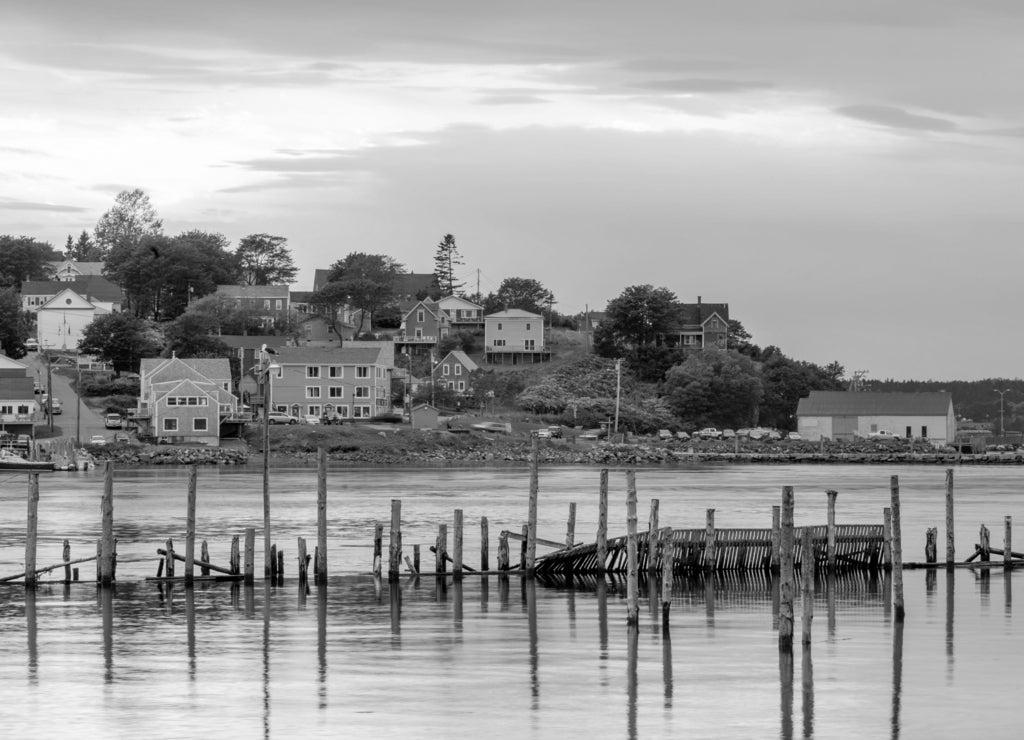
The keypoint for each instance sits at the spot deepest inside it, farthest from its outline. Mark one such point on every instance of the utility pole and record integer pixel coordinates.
(618, 391)
(1002, 429)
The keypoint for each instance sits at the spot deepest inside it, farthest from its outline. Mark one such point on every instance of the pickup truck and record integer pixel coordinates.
(709, 433)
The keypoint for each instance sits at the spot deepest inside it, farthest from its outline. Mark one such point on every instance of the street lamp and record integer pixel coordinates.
(266, 368)
(1002, 430)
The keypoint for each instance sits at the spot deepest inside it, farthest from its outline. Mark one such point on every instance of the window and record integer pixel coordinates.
(199, 424)
(362, 372)
(419, 333)
(451, 385)
(445, 370)
(361, 412)
(529, 344)
(382, 392)
(6, 409)
(312, 371)
(279, 305)
(924, 432)
(266, 303)
(312, 391)
(458, 369)
(343, 412)
(362, 391)
(336, 371)
(420, 317)
(499, 326)
(313, 410)
(336, 391)
(170, 425)
(499, 342)
(23, 408)
(462, 385)
(874, 427)
(527, 327)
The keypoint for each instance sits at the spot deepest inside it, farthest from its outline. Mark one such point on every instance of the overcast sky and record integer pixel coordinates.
(847, 176)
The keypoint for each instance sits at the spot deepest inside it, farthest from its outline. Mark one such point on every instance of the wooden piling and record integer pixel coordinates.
(653, 540)
(66, 557)
(204, 555)
(279, 572)
(1007, 542)
(887, 538)
(250, 556)
(531, 542)
(931, 546)
(602, 523)
(300, 547)
(169, 558)
(107, 518)
(457, 544)
(99, 561)
(950, 549)
(31, 530)
(378, 547)
(395, 542)
(666, 590)
(632, 585)
(984, 544)
(710, 544)
(523, 547)
(786, 572)
(807, 586)
(234, 559)
(503, 563)
(776, 538)
(831, 530)
(190, 527)
(897, 550)
(273, 561)
(416, 558)
(570, 526)
(441, 549)
(320, 564)
(485, 545)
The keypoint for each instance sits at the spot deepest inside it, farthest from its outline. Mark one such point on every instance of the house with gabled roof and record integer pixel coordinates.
(94, 288)
(68, 270)
(61, 321)
(453, 372)
(270, 304)
(700, 325)
(339, 383)
(462, 314)
(19, 407)
(514, 337)
(423, 326)
(187, 400)
(845, 415)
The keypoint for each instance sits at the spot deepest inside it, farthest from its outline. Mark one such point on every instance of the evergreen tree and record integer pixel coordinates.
(446, 259)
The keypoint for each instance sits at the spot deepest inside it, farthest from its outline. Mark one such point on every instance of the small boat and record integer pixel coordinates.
(10, 461)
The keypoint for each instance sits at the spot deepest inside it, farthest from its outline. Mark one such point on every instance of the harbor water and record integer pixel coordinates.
(490, 656)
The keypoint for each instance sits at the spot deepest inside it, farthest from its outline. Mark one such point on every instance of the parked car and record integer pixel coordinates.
(709, 433)
(682, 435)
(728, 434)
(98, 439)
(280, 417)
(393, 417)
(311, 419)
(882, 434)
(594, 434)
(556, 431)
(664, 434)
(122, 438)
(794, 435)
(112, 421)
(491, 426)
(31, 344)
(57, 406)
(544, 433)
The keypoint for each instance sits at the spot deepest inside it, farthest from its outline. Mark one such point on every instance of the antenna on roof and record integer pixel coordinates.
(857, 381)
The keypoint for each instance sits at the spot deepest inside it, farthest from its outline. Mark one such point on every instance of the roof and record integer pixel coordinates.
(328, 356)
(301, 296)
(94, 287)
(428, 305)
(320, 279)
(254, 291)
(867, 403)
(513, 313)
(409, 285)
(463, 359)
(83, 268)
(451, 301)
(698, 313)
(202, 369)
(253, 341)
(17, 388)
(7, 363)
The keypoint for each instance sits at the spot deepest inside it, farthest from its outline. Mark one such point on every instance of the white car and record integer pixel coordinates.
(310, 419)
(98, 439)
(794, 435)
(709, 433)
(31, 345)
(280, 417)
(882, 434)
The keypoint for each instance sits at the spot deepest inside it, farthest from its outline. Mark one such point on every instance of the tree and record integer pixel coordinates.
(526, 294)
(14, 323)
(123, 226)
(84, 250)
(785, 382)
(23, 258)
(636, 318)
(715, 388)
(446, 259)
(122, 340)
(193, 335)
(366, 280)
(265, 260)
(218, 314)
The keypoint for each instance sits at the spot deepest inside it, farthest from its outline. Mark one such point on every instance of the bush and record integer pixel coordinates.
(113, 387)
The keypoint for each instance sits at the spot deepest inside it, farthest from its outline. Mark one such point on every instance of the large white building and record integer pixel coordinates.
(61, 321)
(845, 415)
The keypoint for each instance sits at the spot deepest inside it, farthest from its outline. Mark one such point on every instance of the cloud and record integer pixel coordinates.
(891, 117)
(703, 85)
(9, 204)
(511, 99)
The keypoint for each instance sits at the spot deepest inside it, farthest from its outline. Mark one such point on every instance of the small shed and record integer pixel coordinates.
(424, 416)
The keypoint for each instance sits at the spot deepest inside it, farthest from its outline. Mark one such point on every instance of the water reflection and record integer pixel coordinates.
(897, 677)
(530, 592)
(190, 626)
(30, 633)
(807, 684)
(321, 644)
(1007, 593)
(666, 664)
(266, 658)
(786, 693)
(950, 601)
(632, 639)
(106, 596)
(601, 590)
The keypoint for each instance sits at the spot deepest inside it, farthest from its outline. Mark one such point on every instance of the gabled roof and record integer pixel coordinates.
(6, 363)
(253, 341)
(68, 300)
(90, 287)
(185, 387)
(83, 268)
(199, 369)
(513, 313)
(329, 356)
(454, 301)
(17, 388)
(462, 358)
(253, 291)
(320, 279)
(428, 305)
(410, 284)
(867, 403)
(301, 296)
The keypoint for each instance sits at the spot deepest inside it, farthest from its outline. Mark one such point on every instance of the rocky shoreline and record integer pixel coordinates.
(549, 454)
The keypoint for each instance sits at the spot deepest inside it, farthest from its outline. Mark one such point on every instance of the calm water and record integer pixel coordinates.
(495, 657)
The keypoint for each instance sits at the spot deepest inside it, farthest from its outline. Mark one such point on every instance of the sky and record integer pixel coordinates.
(846, 175)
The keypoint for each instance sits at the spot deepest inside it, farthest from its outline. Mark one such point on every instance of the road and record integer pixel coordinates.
(67, 423)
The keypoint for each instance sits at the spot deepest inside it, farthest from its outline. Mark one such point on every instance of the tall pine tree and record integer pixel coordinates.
(446, 259)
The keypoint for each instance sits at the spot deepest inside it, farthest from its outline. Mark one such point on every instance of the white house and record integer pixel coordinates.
(846, 414)
(513, 337)
(61, 321)
(462, 314)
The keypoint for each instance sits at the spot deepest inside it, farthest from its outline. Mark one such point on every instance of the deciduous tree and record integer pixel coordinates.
(367, 280)
(123, 226)
(122, 340)
(23, 258)
(265, 260)
(715, 388)
(14, 324)
(526, 294)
